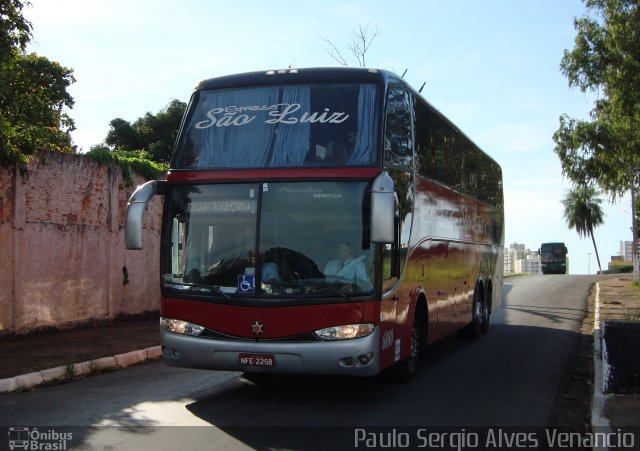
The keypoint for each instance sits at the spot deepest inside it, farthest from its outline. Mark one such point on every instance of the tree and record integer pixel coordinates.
(33, 94)
(606, 61)
(153, 134)
(15, 30)
(362, 39)
(122, 135)
(583, 213)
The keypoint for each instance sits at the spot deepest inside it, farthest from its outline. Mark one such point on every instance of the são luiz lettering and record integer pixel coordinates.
(278, 114)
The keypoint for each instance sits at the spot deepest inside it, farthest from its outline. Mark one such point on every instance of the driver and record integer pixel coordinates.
(347, 267)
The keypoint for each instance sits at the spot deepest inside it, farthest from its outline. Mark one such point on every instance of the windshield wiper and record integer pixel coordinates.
(308, 283)
(216, 290)
(210, 288)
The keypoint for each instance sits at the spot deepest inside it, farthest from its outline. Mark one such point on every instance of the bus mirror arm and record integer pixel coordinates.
(383, 209)
(137, 205)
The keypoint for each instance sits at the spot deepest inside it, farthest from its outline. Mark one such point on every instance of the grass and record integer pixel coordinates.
(69, 371)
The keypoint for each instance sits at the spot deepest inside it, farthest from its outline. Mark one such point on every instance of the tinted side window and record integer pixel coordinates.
(449, 157)
(398, 142)
(436, 147)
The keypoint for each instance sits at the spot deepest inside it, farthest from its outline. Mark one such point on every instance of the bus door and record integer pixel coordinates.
(399, 164)
(390, 334)
(393, 307)
(396, 292)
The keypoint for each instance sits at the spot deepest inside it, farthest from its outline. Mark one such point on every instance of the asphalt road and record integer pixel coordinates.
(508, 377)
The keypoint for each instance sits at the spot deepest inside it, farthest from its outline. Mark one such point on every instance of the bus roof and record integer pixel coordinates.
(303, 75)
(320, 75)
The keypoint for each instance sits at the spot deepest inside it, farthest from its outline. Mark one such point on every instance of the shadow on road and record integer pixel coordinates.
(491, 382)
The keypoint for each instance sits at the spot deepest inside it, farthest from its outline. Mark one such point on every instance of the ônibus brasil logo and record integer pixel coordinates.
(28, 438)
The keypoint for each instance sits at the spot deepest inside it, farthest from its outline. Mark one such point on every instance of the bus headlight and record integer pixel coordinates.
(180, 327)
(346, 332)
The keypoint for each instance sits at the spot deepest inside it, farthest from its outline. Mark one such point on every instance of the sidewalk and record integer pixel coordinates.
(52, 355)
(614, 299)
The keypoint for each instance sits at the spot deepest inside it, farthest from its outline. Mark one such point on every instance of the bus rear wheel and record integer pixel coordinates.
(480, 320)
(484, 328)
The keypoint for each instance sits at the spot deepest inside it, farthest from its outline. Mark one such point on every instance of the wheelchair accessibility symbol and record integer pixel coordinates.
(246, 283)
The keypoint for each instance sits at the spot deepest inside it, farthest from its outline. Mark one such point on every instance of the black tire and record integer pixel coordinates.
(484, 328)
(404, 370)
(480, 319)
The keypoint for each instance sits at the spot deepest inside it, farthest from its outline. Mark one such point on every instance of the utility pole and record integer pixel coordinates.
(634, 222)
(634, 227)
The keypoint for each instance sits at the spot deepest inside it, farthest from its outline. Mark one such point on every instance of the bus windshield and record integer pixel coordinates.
(279, 126)
(290, 239)
(554, 252)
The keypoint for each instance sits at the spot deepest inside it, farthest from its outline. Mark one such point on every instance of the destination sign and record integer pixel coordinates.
(225, 206)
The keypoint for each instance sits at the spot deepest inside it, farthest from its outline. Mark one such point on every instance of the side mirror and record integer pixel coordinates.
(137, 205)
(383, 209)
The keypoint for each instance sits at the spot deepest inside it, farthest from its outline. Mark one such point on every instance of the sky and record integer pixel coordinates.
(491, 66)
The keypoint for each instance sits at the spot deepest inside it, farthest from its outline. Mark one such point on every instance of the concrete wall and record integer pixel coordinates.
(62, 248)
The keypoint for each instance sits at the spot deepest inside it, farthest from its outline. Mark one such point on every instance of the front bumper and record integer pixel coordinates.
(340, 357)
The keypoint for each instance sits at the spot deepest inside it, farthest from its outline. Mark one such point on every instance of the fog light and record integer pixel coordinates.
(169, 353)
(365, 358)
(347, 361)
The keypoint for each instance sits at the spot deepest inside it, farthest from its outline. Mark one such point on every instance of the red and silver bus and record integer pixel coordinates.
(321, 221)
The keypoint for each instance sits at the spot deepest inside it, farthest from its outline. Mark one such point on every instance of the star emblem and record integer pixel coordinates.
(257, 328)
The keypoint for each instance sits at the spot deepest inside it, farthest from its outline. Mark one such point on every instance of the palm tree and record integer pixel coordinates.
(582, 212)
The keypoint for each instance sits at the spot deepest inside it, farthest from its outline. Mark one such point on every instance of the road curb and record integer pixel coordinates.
(598, 421)
(69, 372)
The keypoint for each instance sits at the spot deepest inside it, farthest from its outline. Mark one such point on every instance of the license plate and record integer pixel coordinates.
(257, 359)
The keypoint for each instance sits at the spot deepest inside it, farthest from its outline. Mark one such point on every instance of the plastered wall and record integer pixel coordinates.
(62, 249)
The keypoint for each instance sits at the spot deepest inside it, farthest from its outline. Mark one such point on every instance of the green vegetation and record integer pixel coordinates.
(152, 134)
(33, 94)
(128, 160)
(606, 62)
(619, 267)
(69, 371)
(582, 212)
(33, 104)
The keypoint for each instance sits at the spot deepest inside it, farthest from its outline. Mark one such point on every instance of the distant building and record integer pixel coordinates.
(626, 250)
(529, 265)
(520, 260)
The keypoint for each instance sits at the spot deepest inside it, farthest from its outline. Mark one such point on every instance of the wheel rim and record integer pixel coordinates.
(480, 312)
(412, 362)
(415, 343)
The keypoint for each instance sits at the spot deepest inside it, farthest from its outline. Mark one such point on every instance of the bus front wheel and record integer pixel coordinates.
(404, 370)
